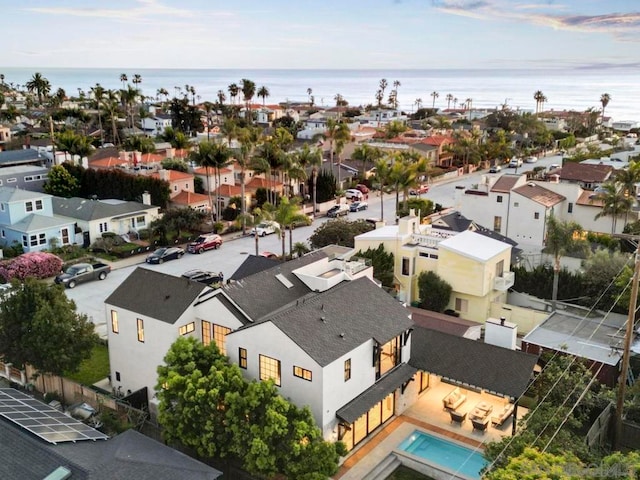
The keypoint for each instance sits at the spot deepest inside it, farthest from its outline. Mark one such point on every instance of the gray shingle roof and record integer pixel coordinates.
(87, 210)
(12, 194)
(27, 155)
(354, 312)
(460, 360)
(253, 264)
(33, 222)
(262, 293)
(125, 456)
(156, 295)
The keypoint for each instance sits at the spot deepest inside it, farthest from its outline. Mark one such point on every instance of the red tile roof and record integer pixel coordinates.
(589, 199)
(583, 172)
(229, 190)
(189, 198)
(174, 175)
(539, 194)
(259, 182)
(505, 183)
(212, 171)
(109, 162)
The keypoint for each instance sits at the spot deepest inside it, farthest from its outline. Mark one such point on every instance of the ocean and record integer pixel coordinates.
(565, 89)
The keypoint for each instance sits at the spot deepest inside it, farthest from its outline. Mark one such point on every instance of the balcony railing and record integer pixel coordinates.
(505, 282)
(431, 239)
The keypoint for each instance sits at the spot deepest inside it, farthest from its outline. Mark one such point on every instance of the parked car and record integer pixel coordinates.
(164, 254)
(205, 242)
(265, 228)
(495, 169)
(419, 190)
(338, 211)
(531, 159)
(553, 166)
(202, 276)
(353, 193)
(362, 187)
(357, 206)
(515, 163)
(269, 255)
(83, 272)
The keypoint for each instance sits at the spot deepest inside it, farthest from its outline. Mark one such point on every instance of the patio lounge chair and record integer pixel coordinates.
(480, 424)
(453, 399)
(502, 415)
(456, 416)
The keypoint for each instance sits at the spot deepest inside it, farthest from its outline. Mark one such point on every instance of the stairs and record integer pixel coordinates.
(384, 468)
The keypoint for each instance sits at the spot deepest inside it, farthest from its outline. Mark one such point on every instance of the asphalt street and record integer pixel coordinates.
(90, 297)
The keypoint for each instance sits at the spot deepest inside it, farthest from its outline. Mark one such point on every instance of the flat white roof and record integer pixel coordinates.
(383, 233)
(474, 245)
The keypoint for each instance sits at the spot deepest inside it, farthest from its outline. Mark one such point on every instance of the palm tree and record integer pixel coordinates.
(137, 79)
(335, 132)
(300, 249)
(309, 92)
(379, 98)
(383, 172)
(212, 155)
(2, 79)
(449, 99)
(455, 102)
(434, 95)
(561, 237)
(627, 178)
(73, 144)
(40, 85)
(124, 79)
(614, 203)
(248, 92)
(418, 103)
(605, 98)
(396, 85)
(248, 140)
(469, 102)
(366, 153)
(310, 157)
(538, 96)
(287, 214)
(263, 93)
(98, 96)
(383, 87)
(221, 98)
(234, 90)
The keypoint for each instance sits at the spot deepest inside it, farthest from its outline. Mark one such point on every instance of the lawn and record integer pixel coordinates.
(404, 473)
(94, 368)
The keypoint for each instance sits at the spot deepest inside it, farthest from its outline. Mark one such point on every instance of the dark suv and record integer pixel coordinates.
(205, 242)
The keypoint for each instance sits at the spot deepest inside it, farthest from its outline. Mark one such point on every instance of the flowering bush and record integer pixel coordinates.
(32, 264)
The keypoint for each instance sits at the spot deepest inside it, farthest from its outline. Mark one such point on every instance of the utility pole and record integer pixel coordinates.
(624, 369)
(53, 139)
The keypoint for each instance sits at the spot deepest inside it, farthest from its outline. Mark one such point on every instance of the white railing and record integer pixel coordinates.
(505, 282)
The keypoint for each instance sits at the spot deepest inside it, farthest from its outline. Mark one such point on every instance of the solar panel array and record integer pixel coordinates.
(42, 420)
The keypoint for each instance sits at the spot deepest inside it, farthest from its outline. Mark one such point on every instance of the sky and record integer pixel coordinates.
(362, 34)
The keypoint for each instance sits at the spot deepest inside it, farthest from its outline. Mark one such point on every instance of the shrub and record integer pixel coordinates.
(32, 264)
(218, 227)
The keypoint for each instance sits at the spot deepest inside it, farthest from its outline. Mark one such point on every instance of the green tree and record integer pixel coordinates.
(433, 291)
(61, 183)
(74, 144)
(335, 132)
(338, 232)
(175, 164)
(599, 272)
(531, 464)
(382, 263)
(367, 155)
(140, 144)
(248, 91)
(614, 203)
(422, 207)
(263, 92)
(323, 186)
(39, 326)
(310, 157)
(562, 237)
(300, 249)
(605, 98)
(212, 155)
(40, 85)
(287, 214)
(383, 177)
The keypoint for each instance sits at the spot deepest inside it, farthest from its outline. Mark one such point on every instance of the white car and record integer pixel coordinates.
(353, 194)
(515, 163)
(265, 228)
(531, 159)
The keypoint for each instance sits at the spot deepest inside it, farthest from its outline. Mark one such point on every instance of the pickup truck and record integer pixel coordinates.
(83, 272)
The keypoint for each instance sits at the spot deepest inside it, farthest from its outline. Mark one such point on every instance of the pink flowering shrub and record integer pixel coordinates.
(32, 264)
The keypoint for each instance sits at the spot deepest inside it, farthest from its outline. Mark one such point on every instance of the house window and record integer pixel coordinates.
(499, 199)
(188, 328)
(242, 355)
(206, 333)
(516, 204)
(42, 239)
(462, 305)
(175, 188)
(3, 233)
(536, 215)
(424, 381)
(65, 236)
(33, 240)
(347, 369)
(406, 262)
(12, 180)
(140, 330)
(114, 322)
(38, 204)
(25, 241)
(103, 227)
(270, 369)
(29, 206)
(117, 376)
(570, 209)
(140, 221)
(302, 373)
(28, 178)
(431, 255)
(499, 268)
(497, 224)
(1, 204)
(219, 334)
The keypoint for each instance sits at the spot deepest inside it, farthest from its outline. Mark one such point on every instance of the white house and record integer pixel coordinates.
(156, 125)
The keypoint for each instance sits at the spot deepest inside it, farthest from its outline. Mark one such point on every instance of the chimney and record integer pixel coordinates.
(146, 198)
(164, 174)
(123, 155)
(501, 333)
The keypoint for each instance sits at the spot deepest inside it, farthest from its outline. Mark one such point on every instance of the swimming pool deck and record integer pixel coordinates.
(426, 414)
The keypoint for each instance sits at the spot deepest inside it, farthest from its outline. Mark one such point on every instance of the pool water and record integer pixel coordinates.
(437, 451)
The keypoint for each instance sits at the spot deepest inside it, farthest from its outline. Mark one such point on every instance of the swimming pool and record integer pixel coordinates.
(443, 453)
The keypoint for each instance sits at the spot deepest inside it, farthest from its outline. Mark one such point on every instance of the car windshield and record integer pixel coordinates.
(74, 270)
(160, 251)
(262, 225)
(200, 240)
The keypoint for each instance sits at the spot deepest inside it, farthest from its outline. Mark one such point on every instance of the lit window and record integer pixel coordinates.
(242, 355)
(302, 373)
(140, 330)
(219, 334)
(497, 224)
(188, 328)
(114, 322)
(206, 333)
(270, 369)
(347, 369)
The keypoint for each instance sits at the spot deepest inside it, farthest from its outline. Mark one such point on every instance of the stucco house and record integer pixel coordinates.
(28, 219)
(92, 218)
(156, 125)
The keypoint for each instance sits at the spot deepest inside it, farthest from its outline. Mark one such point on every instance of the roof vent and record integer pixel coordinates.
(342, 335)
(284, 280)
(323, 319)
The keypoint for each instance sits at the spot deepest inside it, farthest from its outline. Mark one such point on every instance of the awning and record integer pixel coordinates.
(378, 391)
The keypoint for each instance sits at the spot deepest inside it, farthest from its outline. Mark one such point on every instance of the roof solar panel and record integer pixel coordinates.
(42, 420)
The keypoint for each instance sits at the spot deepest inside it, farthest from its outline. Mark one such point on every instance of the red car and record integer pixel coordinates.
(420, 190)
(363, 188)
